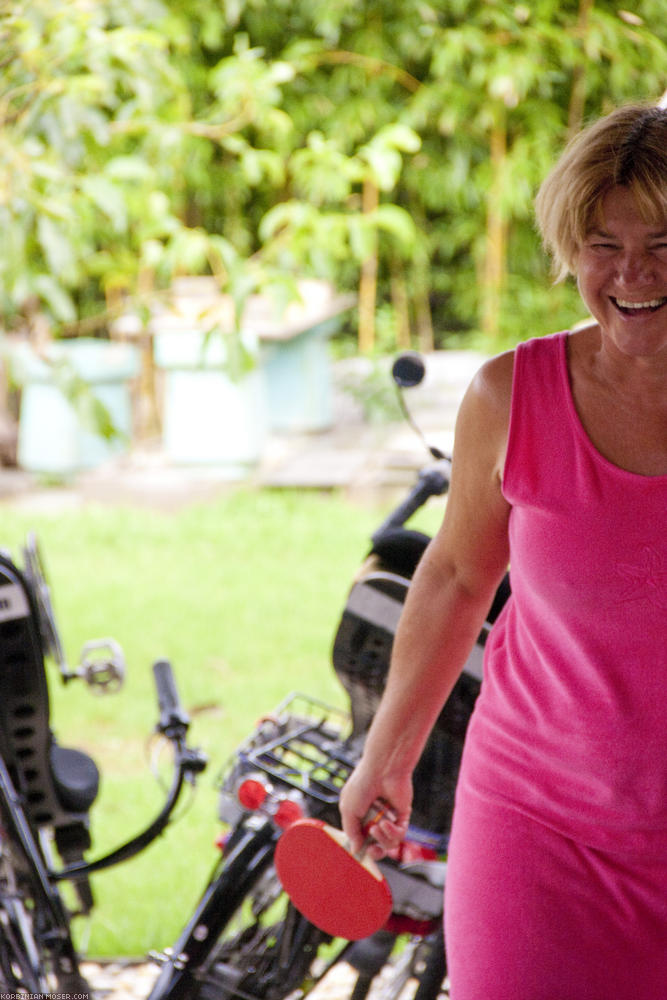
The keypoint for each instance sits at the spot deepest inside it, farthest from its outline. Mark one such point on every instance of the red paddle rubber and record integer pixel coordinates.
(342, 895)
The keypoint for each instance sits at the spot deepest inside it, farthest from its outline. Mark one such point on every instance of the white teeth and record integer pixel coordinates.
(653, 304)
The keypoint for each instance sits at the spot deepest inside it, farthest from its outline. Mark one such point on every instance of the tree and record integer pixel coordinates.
(392, 147)
(73, 185)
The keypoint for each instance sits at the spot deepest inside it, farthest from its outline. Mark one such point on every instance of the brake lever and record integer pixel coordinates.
(193, 762)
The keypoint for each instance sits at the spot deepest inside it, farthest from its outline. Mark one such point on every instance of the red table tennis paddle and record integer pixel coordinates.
(343, 894)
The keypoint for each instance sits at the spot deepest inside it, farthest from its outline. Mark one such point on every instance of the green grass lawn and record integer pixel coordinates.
(243, 595)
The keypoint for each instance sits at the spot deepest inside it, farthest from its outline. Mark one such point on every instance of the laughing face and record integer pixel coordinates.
(622, 277)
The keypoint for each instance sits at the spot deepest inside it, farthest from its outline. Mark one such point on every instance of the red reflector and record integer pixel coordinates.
(399, 923)
(412, 851)
(251, 793)
(288, 812)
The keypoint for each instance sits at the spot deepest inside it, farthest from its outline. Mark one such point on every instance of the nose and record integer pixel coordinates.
(634, 266)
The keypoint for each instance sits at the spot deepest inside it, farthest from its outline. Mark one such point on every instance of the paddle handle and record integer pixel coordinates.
(373, 816)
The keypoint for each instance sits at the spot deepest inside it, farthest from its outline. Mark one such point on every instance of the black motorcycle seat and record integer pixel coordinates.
(75, 776)
(400, 549)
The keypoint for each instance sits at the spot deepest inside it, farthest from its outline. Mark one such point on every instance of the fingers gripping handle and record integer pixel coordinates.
(172, 714)
(378, 811)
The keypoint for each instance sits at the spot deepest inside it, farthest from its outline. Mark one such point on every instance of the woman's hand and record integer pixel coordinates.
(366, 789)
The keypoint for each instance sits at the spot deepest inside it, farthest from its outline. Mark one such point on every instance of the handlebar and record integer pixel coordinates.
(433, 481)
(173, 717)
(188, 762)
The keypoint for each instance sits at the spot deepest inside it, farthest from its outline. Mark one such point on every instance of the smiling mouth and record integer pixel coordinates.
(636, 308)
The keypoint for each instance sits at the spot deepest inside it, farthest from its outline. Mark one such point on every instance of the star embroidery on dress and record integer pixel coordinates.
(647, 579)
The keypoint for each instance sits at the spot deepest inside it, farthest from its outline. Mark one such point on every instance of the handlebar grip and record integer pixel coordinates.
(432, 482)
(172, 713)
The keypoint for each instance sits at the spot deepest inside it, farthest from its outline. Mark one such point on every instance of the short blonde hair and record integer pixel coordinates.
(628, 148)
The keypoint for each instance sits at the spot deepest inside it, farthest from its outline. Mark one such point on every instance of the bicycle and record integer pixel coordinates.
(47, 790)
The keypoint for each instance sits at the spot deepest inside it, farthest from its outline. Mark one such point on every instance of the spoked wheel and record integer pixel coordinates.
(37, 956)
(31, 962)
(424, 964)
(20, 961)
(417, 965)
(23, 969)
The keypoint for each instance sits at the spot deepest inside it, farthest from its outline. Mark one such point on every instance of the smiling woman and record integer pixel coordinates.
(603, 216)
(557, 862)
(622, 275)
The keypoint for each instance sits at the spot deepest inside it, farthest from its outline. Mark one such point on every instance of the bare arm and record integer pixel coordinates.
(447, 602)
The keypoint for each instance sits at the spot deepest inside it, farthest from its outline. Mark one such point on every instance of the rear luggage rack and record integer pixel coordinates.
(303, 744)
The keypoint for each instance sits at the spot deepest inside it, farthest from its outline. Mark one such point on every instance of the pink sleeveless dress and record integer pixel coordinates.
(557, 883)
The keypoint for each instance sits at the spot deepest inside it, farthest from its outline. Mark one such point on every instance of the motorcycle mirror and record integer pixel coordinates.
(408, 370)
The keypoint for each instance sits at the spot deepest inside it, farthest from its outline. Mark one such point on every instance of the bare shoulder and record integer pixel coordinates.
(492, 385)
(485, 409)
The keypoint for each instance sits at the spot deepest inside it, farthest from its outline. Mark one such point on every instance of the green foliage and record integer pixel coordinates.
(236, 138)
(70, 77)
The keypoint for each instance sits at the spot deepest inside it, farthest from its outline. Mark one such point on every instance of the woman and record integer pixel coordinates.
(557, 882)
